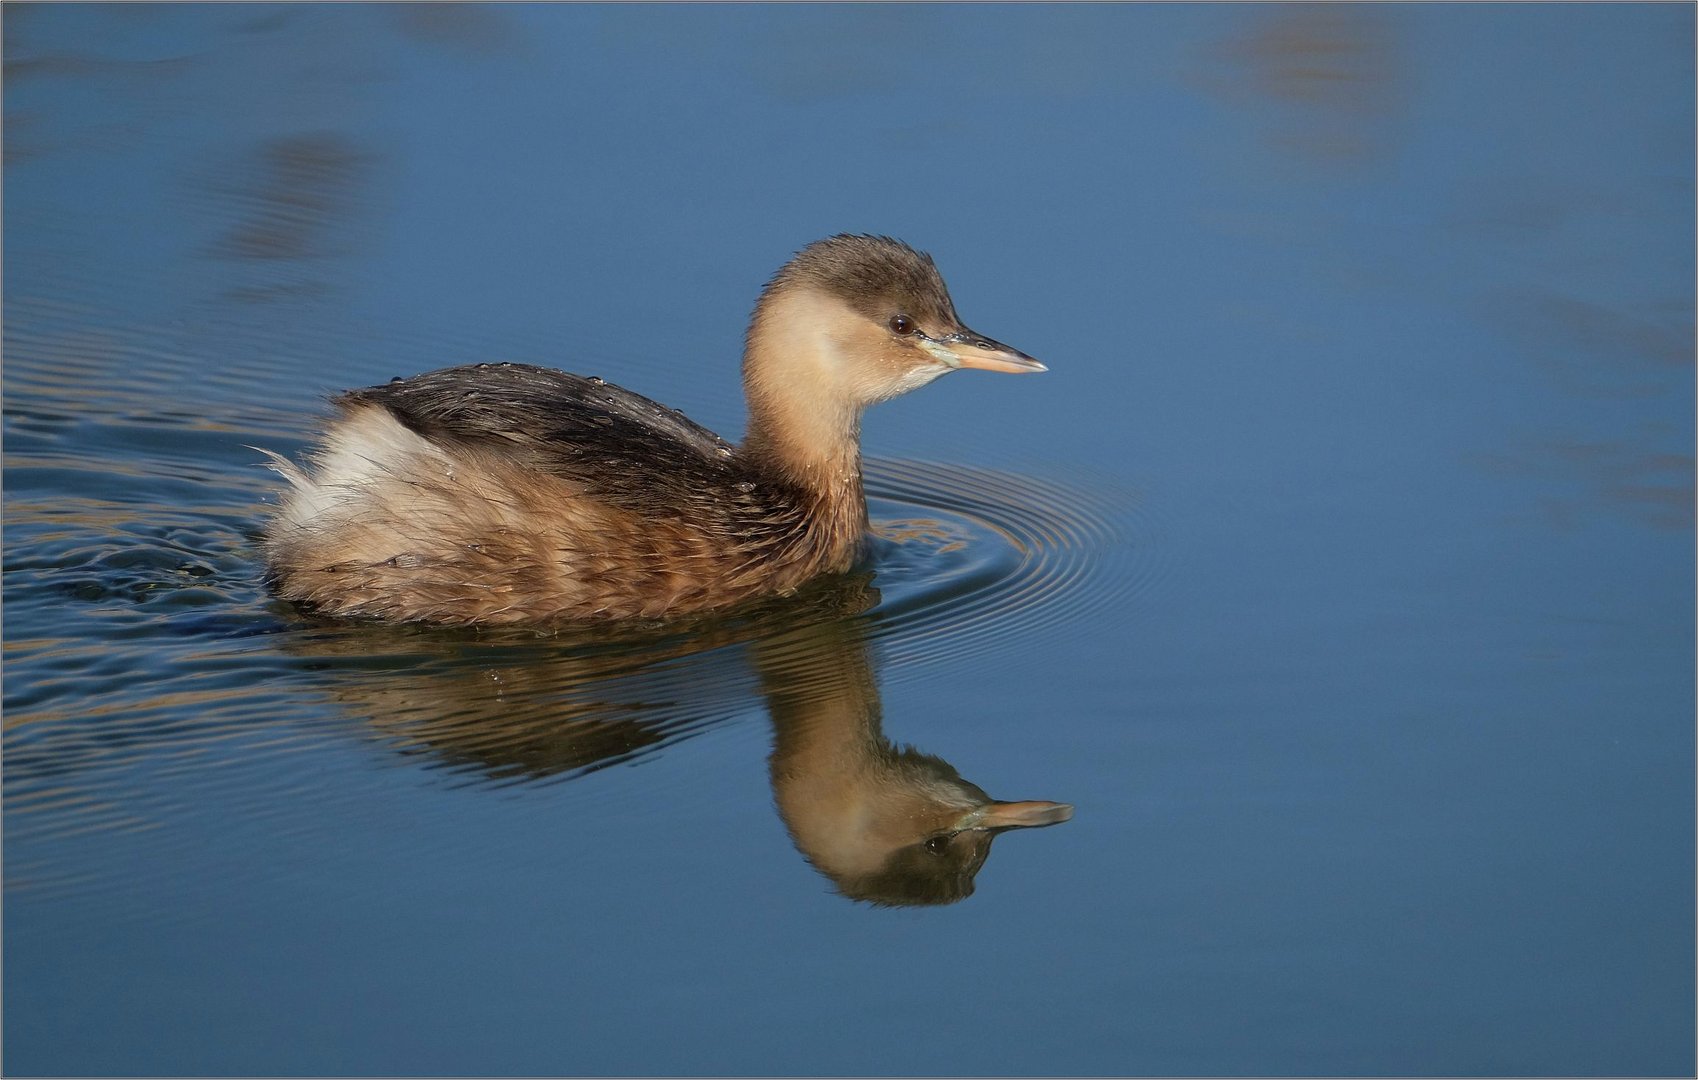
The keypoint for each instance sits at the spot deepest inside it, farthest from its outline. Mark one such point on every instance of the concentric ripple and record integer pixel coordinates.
(972, 557)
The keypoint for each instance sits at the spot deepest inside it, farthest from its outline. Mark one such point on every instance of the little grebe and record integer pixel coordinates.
(505, 493)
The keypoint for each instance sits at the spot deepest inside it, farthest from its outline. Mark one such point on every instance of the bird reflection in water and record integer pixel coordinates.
(886, 824)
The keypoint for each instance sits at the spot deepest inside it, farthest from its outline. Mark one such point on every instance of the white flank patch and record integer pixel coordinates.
(367, 447)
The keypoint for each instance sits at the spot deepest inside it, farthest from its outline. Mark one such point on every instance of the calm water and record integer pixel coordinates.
(1338, 574)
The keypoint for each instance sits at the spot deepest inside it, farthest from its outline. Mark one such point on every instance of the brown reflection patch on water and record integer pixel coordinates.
(16, 138)
(1328, 79)
(1592, 349)
(74, 65)
(302, 187)
(269, 23)
(474, 29)
(1615, 479)
(1524, 207)
(42, 129)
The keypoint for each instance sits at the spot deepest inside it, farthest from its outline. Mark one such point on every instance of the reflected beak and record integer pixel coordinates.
(965, 349)
(1016, 815)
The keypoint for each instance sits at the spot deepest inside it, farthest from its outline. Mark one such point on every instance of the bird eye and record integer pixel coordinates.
(902, 324)
(937, 845)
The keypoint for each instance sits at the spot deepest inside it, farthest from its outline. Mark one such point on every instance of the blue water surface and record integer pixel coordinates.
(1339, 573)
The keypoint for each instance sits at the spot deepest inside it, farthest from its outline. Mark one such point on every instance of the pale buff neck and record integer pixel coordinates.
(804, 404)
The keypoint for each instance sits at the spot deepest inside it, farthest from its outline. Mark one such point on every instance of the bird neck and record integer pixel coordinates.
(804, 419)
(818, 455)
(827, 471)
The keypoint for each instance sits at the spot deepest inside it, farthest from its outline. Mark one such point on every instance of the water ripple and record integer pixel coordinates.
(980, 559)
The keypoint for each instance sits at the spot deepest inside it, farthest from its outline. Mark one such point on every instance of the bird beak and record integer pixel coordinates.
(1015, 815)
(965, 349)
